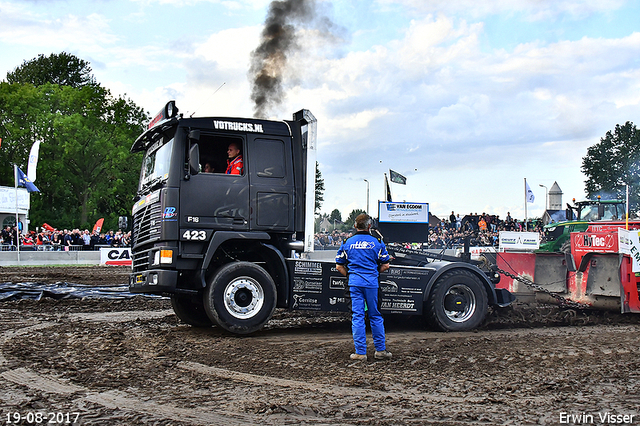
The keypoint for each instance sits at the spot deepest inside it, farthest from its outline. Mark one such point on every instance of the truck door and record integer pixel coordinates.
(270, 173)
(215, 200)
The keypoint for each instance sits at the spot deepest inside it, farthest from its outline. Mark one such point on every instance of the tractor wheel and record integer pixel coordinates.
(458, 301)
(190, 310)
(240, 297)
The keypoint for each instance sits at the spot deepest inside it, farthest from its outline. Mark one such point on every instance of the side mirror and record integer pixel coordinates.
(600, 211)
(194, 159)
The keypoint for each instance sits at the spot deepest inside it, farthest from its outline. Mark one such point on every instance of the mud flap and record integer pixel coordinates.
(504, 298)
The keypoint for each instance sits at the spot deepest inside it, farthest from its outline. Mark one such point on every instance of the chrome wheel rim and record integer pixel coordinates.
(464, 292)
(243, 297)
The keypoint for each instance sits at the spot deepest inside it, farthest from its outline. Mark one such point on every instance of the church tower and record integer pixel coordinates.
(555, 197)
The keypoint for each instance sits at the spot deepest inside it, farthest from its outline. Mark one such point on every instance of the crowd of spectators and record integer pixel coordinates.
(481, 230)
(63, 240)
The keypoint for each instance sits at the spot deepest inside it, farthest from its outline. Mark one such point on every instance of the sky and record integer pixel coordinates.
(466, 99)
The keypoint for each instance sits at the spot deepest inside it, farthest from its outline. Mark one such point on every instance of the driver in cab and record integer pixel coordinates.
(234, 161)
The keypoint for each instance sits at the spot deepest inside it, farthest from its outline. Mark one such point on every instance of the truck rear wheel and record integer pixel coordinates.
(190, 310)
(458, 301)
(240, 298)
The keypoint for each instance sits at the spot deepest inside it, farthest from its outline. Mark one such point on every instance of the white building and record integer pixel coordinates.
(555, 197)
(555, 212)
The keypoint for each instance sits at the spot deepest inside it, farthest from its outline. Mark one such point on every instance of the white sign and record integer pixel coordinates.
(8, 200)
(629, 243)
(403, 212)
(510, 240)
(477, 251)
(115, 256)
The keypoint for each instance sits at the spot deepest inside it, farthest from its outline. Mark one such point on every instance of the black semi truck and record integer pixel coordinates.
(228, 248)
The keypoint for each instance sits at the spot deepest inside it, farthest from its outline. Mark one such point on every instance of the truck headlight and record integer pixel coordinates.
(166, 256)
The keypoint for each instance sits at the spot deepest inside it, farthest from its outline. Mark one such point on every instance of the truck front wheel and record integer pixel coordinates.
(240, 297)
(458, 301)
(190, 310)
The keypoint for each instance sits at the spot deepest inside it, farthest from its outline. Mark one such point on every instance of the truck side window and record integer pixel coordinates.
(213, 152)
(269, 157)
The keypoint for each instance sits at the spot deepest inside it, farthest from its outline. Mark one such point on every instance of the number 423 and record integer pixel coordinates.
(194, 235)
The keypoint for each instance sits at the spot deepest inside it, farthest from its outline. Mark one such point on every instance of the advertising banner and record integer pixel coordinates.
(522, 241)
(318, 286)
(403, 212)
(629, 243)
(477, 251)
(8, 200)
(115, 256)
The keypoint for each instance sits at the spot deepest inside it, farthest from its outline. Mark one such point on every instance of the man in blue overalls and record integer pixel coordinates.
(361, 258)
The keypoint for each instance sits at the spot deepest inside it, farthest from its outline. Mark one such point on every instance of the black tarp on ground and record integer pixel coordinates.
(36, 291)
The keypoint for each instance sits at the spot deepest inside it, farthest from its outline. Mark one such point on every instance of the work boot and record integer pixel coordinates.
(358, 357)
(382, 354)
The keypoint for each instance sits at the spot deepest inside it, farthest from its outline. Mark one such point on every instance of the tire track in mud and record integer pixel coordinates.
(272, 399)
(119, 400)
(126, 402)
(112, 399)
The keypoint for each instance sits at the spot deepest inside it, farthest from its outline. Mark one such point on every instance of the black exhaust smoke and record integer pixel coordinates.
(280, 38)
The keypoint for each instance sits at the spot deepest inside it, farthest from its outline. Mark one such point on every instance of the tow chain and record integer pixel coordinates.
(562, 301)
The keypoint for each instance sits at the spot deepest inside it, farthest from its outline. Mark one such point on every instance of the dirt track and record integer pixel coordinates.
(131, 362)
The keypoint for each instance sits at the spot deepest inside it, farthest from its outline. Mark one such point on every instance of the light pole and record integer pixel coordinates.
(546, 198)
(367, 195)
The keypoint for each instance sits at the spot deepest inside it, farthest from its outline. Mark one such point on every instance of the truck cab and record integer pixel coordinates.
(188, 222)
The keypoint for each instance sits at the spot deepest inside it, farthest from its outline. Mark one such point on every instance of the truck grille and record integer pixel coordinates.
(146, 225)
(140, 260)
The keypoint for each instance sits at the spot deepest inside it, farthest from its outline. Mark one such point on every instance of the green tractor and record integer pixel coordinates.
(578, 217)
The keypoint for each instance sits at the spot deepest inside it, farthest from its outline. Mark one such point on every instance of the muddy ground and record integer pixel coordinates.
(131, 362)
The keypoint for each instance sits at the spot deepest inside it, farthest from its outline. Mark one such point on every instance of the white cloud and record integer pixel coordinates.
(230, 48)
(451, 106)
(534, 9)
(228, 4)
(19, 25)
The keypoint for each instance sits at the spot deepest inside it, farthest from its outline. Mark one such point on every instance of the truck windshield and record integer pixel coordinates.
(155, 166)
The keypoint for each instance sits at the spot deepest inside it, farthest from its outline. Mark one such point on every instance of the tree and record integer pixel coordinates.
(319, 189)
(22, 120)
(351, 220)
(85, 170)
(613, 163)
(61, 69)
(335, 215)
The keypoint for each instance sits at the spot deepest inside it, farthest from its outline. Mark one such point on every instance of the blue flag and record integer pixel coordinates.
(23, 180)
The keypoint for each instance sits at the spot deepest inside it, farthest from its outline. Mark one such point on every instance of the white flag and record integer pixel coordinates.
(33, 161)
(530, 197)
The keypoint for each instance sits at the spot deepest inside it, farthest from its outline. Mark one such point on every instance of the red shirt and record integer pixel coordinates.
(234, 167)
